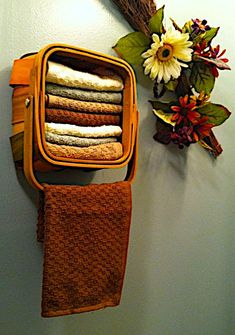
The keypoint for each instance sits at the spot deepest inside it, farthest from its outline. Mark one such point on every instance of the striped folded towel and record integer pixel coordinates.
(84, 95)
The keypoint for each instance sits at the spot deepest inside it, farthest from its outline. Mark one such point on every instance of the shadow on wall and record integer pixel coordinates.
(114, 11)
(5, 93)
(161, 167)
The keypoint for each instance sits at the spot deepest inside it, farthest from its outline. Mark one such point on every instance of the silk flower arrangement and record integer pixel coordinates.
(183, 62)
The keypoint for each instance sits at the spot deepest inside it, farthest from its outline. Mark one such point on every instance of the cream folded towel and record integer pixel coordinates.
(77, 141)
(66, 76)
(70, 129)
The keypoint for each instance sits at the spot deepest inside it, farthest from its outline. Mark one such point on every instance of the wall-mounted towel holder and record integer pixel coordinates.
(28, 79)
(86, 238)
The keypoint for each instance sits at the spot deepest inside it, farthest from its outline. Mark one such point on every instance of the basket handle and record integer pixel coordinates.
(132, 165)
(28, 143)
(28, 146)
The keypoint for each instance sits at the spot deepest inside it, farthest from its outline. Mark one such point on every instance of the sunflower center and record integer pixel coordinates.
(165, 53)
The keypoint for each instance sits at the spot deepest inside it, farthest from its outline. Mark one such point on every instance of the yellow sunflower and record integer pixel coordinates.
(162, 61)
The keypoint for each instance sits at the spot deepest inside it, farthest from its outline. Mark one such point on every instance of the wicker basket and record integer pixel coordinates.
(28, 79)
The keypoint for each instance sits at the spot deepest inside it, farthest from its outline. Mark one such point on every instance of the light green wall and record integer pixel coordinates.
(180, 270)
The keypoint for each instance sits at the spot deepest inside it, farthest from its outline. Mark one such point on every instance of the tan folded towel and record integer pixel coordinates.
(80, 131)
(64, 75)
(53, 101)
(86, 233)
(108, 151)
(84, 95)
(77, 141)
(81, 119)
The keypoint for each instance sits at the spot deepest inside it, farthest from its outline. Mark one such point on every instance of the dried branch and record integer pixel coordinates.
(137, 13)
(211, 144)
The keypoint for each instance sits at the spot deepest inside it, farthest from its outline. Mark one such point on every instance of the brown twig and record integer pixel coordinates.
(211, 144)
(137, 13)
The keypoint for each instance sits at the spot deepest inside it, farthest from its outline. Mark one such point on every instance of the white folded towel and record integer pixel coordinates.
(64, 75)
(70, 129)
(77, 141)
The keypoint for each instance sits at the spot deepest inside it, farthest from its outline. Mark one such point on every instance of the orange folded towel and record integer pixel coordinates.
(53, 101)
(81, 119)
(86, 233)
(107, 151)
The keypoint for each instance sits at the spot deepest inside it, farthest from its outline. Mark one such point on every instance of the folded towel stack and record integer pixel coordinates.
(83, 113)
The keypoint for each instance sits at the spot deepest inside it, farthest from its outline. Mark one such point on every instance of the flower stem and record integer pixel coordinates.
(158, 94)
(183, 86)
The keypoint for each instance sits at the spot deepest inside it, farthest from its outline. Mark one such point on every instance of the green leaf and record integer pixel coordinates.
(165, 117)
(201, 78)
(155, 23)
(216, 114)
(183, 86)
(197, 39)
(165, 107)
(187, 28)
(171, 85)
(131, 46)
(210, 34)
(163, 111)
(207, 36)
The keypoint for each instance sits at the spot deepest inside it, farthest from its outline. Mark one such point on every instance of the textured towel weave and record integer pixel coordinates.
(108, 151)
(84, 95)
(85, 246)
(77, 141)
(81, 119)
(70, 129)
(53, 101)
(64, 75)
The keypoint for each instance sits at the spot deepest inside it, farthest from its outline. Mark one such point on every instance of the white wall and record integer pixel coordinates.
(180, 270)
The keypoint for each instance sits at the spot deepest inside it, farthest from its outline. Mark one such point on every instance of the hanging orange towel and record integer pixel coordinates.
(86, 233)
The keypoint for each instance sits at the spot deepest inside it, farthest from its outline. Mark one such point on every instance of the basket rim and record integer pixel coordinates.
(39, 91)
